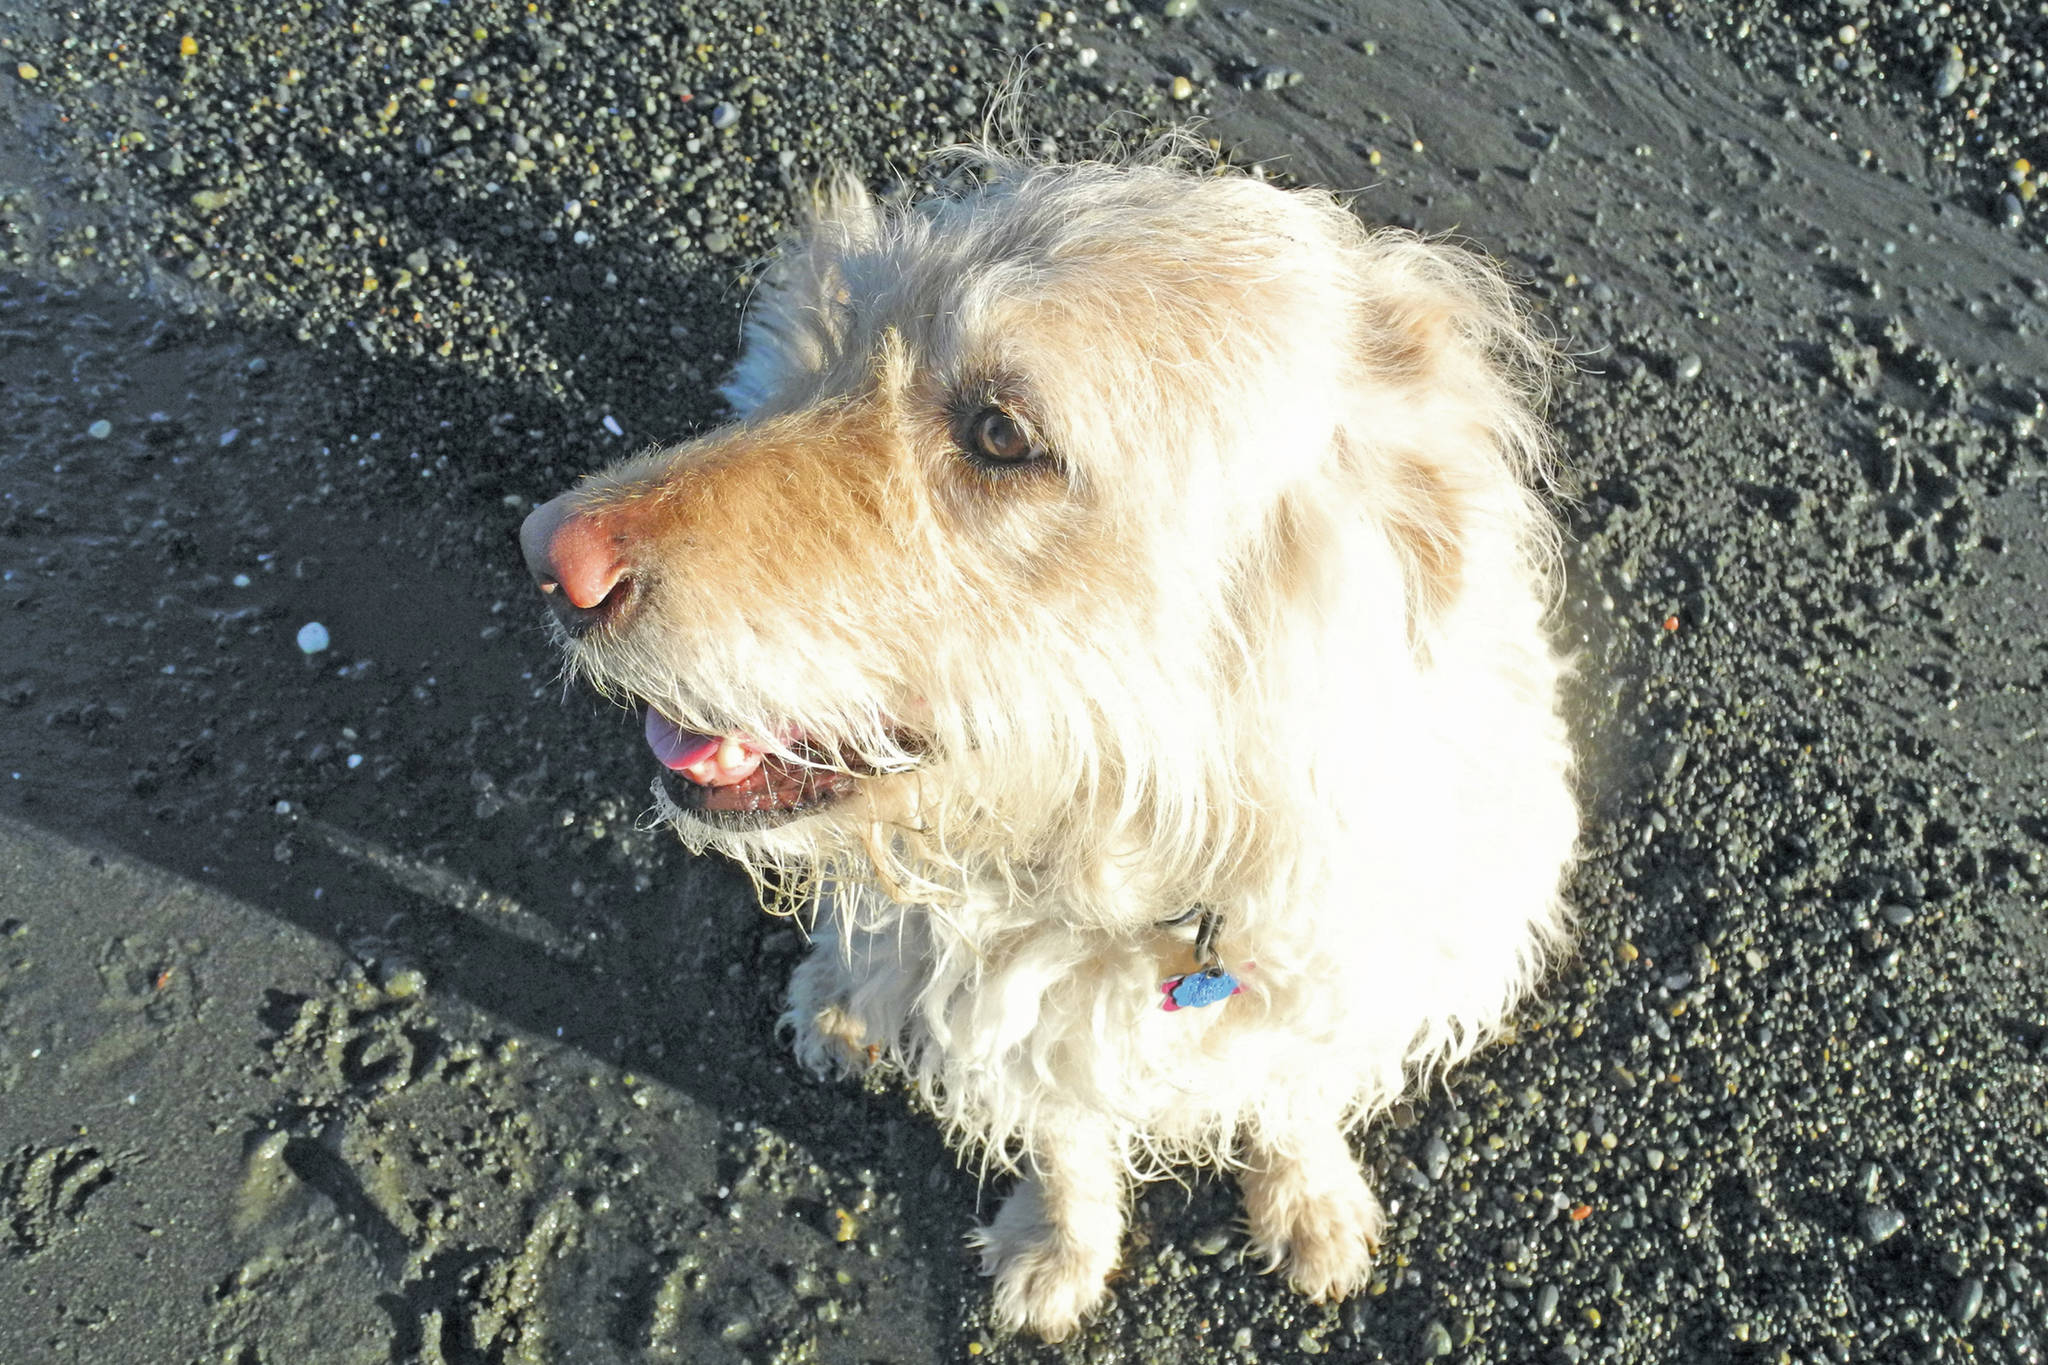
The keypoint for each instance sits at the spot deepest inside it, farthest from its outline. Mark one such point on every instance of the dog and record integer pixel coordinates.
(1117, 612)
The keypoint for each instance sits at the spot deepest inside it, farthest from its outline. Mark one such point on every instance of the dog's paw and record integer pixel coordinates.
(1048, 1278)
(830, 1041)
(1323, 1230)
(828, 1038)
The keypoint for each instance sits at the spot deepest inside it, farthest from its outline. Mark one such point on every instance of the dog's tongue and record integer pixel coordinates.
(675, 746)
(707, 760)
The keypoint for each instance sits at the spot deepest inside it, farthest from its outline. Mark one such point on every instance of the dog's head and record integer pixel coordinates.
(1048, 503)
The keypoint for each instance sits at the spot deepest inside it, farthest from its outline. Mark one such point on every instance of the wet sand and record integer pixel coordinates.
(348, 1013)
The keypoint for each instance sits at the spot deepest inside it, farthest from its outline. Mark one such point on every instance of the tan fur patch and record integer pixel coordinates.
(1425, 522)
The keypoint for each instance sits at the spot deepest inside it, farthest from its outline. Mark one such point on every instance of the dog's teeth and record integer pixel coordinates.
(734, 760)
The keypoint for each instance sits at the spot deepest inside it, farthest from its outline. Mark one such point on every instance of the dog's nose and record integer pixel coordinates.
(578, 563)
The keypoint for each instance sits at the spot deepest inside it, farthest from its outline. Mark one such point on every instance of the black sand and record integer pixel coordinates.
(346, 1015)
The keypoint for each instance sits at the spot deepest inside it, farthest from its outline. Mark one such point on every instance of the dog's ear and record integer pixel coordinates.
(841, 207)
(1423, 518)
(1445, 433)
(799, 304)
(1426, 522)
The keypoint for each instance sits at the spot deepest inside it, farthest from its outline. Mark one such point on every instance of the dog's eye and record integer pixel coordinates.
(998, 438)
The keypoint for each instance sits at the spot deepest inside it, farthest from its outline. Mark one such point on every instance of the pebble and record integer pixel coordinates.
(1880, 1224)
(2011, 212)
(724, 115)
(1968, 1300)
(1211, 1241)
(1436, 1340)
(1670, 759)
(1949, 78)
(100, 430)
(401, 982)
(1546, 1305)
(1183, 88)
(312, 637)
(1179, 9)
(1436, 1158)
(1687, 368)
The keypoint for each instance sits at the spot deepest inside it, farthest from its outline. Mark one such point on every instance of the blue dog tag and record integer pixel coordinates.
(1195, 989)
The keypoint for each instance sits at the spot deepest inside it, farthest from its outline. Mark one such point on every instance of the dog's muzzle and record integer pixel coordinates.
(582, 557)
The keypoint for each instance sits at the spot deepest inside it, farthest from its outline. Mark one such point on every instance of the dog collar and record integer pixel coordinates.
(1208, 982)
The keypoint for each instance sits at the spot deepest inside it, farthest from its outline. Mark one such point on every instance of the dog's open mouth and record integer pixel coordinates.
(733, 776)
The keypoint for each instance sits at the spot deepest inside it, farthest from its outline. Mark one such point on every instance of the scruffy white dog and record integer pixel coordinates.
(1118, 608)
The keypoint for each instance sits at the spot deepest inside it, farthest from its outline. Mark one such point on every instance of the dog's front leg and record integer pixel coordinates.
(1056, 1238)
(1311, 1209)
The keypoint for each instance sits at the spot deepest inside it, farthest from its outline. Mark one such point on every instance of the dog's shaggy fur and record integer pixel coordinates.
(1096, 543)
